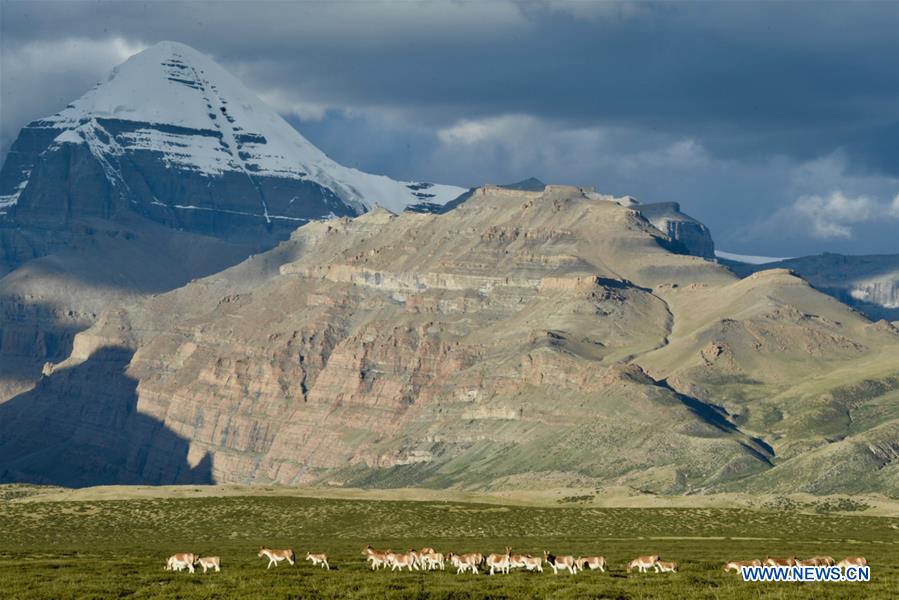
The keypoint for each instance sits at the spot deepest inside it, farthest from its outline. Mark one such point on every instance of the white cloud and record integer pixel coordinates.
(832, 215)
(894, 207)
(38, 77)
(543, 145)
(837, 213)
(596, 10)
(498, 130)
(286, 105)
(679, 154)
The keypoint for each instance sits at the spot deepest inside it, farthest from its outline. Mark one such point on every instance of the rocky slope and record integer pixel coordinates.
(538, 339)
(688, 235)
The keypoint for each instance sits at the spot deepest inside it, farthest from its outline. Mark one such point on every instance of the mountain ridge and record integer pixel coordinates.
(206, 297)
(538, 340)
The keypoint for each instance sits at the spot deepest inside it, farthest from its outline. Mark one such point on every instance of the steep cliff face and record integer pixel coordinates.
(693, 236)
(523, 339)
(882, 290)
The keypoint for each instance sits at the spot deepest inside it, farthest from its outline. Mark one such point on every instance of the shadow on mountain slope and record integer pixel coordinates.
(80, 427)
(62, 280)
(715, 416)
(31, 334)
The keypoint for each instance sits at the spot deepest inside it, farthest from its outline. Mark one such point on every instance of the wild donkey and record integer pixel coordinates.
(465, 562)
(319, 560)
(591, 562)
(531, 563)
(642, 563)
(736, 565)
(500, 562)
(209, 562)
(664, 566)
(560, 562)
(181, 561)
(375, 558)
(276, 556)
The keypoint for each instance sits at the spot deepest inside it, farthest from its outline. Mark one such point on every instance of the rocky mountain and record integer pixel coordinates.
(168, 171)
(693, 237)
(688, 235)
(190, 292)
(869, 283)
(524, 339)
(174, 137)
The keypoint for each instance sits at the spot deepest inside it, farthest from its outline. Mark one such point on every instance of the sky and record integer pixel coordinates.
(775, 123)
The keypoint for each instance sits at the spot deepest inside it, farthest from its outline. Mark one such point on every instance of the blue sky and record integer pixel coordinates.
(777, 124)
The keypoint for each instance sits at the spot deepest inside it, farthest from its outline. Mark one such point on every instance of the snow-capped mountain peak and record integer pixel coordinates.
(170, 110)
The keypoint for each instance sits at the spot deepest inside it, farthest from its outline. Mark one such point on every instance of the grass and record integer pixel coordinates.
(116, 548)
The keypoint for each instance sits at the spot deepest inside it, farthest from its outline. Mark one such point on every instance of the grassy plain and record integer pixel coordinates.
(115, 548)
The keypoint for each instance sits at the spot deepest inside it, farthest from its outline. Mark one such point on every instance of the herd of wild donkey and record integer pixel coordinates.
(428, 559)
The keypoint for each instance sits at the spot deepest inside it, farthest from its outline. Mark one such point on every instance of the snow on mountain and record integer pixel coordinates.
(746, 258)
(173, 107)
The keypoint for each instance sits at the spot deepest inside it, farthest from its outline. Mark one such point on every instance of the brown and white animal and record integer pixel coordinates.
(532, 563)
(824, 561)
(433, 560)
(375, 558)
(736, 565)
(320, 560)
(560, 562)
(465, 562)
(853, 561)
(642, 563)
(592, 563)
(276, 556)
(209, 562)
(499, 562)
(181, 561)
(808, 562)
(401, 561)
(665, 566)
(779, 562)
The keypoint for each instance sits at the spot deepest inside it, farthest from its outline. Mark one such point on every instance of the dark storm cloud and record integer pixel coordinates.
(746, 77)
(661, 99)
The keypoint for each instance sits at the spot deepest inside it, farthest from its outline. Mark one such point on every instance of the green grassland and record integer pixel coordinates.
(116, 548)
